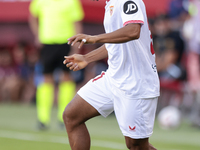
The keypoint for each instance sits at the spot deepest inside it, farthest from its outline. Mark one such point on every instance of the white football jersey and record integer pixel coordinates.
(132, 66)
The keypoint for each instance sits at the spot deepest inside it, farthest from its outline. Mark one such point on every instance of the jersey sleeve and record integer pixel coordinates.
(131, 12)
(34, 8)
(78, 13)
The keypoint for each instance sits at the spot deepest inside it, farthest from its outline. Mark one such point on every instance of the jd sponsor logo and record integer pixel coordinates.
(130, 7)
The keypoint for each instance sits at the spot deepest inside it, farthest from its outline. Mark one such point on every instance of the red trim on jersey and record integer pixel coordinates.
(152, 49)
(151, 36)
(133, 21)
(99, 77)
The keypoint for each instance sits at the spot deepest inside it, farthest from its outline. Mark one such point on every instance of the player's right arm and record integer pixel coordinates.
(77, 62)
(33, 21)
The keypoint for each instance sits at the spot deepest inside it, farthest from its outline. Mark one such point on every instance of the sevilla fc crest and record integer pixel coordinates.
(111, 10)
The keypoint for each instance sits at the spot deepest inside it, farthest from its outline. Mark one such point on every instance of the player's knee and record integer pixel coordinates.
(67, 116)
(70, 117)
(137, 144)
(132, 145)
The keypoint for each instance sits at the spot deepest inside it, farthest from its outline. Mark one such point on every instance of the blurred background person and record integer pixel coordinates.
(16, 73)
(191, 30)
(169, 48)
(24, 58)
(9, 79)
(178, 12)
(52, 23)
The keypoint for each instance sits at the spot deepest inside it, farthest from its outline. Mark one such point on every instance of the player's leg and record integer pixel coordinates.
(66, 87)
(66, 92)
(45, 90)
(92, 100)
(151, 147)
(44, 100)
(136, 119)
(76, 113)
(138, 144)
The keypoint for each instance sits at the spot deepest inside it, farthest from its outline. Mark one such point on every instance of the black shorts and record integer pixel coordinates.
(52, 57)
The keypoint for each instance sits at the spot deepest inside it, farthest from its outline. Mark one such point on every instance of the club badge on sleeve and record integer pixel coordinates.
(111, 10)
(130, 7)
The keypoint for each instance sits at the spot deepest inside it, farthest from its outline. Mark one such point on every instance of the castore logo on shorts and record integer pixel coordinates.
(132, 129)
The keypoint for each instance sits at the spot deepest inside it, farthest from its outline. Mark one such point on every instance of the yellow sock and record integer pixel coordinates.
(44, 102)
(66, 92)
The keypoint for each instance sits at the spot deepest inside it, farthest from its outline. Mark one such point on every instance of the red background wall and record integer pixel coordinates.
(94, 10)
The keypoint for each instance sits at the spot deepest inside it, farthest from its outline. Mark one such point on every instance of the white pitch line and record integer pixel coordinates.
(55, 139)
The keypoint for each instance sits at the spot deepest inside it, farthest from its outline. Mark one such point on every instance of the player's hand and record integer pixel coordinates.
(81, 39)
(75, 62)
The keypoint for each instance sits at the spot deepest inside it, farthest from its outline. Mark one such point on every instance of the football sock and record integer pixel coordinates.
(66, 92)
(44, 102)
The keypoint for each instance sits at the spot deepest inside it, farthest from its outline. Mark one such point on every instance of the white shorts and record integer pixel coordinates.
(135, 116)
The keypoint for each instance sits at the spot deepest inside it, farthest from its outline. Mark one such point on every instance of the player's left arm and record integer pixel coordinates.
(127, 33)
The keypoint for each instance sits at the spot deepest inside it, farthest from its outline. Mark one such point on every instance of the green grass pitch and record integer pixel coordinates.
(18, 131)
